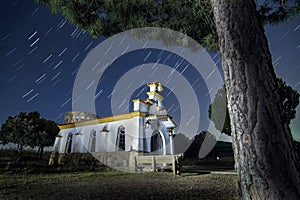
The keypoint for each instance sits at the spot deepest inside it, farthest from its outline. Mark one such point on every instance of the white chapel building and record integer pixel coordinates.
(147, 129)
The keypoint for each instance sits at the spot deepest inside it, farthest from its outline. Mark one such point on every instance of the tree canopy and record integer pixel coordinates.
(18, 130)
(28, 129)
(193, 18)
(289, 99)
(216, 112)
(196, 143)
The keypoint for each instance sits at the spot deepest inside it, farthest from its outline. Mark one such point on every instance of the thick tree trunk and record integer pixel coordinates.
(266, 163)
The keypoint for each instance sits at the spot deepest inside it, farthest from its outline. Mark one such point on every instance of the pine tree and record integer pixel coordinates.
(267, 164)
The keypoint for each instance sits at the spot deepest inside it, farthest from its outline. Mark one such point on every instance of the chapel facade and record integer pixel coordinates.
(147, 129)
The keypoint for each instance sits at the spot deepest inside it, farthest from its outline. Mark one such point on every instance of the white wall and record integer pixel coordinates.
(137, 136)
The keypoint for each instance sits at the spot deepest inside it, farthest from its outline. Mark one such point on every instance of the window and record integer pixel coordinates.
(92, 141)
(121, 139)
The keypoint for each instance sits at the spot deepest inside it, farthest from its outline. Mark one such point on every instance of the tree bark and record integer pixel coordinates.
(266, 161)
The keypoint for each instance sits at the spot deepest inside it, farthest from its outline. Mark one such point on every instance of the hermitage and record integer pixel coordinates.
(148, 129)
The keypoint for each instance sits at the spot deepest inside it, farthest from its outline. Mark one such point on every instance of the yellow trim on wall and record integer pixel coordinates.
(139, 100)
(152, 84)
(158, 84)
(103, 120)
(156, 94)
(159, 87)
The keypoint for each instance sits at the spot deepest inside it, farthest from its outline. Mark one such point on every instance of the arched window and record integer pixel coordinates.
(120, 144)
(92, 141)
(69, 143)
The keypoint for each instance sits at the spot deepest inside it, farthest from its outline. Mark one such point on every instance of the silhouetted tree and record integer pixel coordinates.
(181, 143)
(289, 99)
(196, 143)
(46, 132)
(18, 130)
(28, 130)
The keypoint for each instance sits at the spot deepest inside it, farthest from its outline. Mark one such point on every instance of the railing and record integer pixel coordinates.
(140, 162)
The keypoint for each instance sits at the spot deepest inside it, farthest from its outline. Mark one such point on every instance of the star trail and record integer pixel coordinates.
(40, 54)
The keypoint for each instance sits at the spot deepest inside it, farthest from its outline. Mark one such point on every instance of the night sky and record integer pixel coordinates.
(40, 54)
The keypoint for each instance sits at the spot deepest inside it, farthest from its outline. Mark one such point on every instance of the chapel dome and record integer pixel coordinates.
(77, 116)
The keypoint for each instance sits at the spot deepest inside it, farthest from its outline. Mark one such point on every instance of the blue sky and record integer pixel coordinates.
(40, 54)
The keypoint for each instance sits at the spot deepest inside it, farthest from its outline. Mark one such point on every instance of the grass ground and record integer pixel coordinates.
(117, 185)
(34, 179)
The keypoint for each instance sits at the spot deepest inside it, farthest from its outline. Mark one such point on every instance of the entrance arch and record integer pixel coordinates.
(157, 143)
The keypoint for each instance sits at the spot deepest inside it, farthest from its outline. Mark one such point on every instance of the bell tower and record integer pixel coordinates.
(155, 89)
